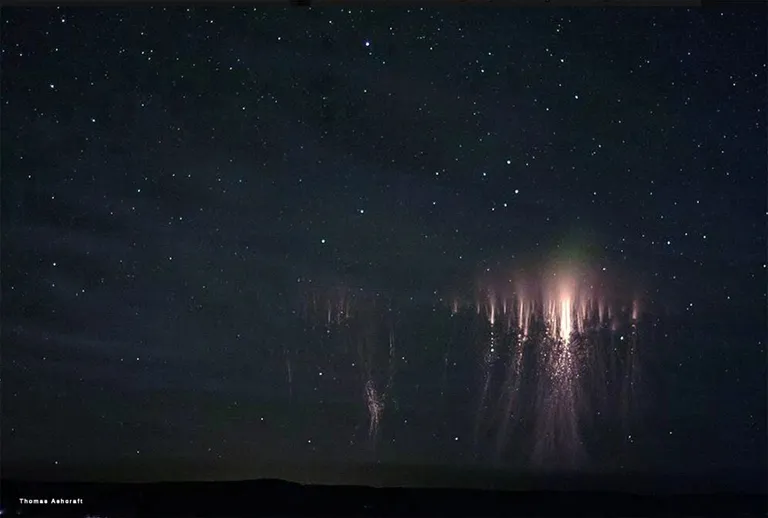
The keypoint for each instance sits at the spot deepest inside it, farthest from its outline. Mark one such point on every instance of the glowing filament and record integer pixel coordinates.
(566, 319)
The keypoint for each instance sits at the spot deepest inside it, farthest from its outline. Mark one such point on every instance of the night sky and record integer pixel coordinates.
(247, 239)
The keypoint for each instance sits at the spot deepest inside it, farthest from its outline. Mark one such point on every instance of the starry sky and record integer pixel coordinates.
(246, 238)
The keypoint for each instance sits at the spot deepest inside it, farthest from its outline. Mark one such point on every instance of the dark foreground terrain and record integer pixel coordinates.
(280, 498)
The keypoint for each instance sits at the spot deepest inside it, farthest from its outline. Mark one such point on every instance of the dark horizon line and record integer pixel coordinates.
(396, 475)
